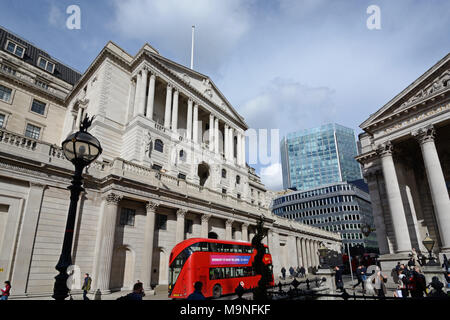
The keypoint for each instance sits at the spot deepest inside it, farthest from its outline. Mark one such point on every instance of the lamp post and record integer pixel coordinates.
(80, 148)
(428, 243)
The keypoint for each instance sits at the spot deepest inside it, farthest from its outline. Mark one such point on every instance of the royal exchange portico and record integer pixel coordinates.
(406, 162)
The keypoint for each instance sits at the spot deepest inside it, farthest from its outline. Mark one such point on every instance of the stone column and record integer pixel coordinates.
(251, 234)
(377, 212)
(148, 244)
(239, 149)
(299, 252)
(151, 97)
(143, 91)
(245, 231)
(168, 106)
(243, 150)
(231, 144)
(436, 181)
(175, 111)
(189, 120)
(205, 227)
(216, 135)
(304, 254)
(228, 229)
(138, 94)
(316, 253)
(27, 237)
(181, 213)
(211, 133)
(195, 124)
(106, 247)
(226, 141)
(395, 200)
(309, 253)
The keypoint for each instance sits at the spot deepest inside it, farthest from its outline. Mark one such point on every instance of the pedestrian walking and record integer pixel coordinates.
(338, 279)
(138, 282)
(403, 283)
(86, 286)
(291, 271)
(297, 271)
(197, 294)
(283, 272)
(361, 276)
(379, 283)
(302, 271)
(6, 290)
(240, 292)
(417, 283)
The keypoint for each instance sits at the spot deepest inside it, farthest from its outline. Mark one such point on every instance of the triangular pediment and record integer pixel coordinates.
(204, 86)
(433, 82)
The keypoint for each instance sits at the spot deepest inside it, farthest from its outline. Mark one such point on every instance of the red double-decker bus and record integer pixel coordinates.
(219, 265)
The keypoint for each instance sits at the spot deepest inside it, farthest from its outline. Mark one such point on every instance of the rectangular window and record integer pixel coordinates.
(9, 69)
(38, 107)
(41, 84)
(161, 222)
(32, 131)
(5, 93)
(46, 65)
(2, 120)
(127, 217)
(15, 49)
(188, 226)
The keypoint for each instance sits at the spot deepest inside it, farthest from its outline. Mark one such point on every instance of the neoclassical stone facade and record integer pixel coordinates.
(173, 167)
(406, 161)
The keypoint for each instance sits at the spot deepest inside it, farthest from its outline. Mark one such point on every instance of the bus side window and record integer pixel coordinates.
(212, 246)
(203, 246)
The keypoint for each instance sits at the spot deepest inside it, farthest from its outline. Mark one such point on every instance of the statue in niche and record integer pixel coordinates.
(148, 143)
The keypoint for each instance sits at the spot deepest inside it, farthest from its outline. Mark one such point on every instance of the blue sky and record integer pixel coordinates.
(286, 64)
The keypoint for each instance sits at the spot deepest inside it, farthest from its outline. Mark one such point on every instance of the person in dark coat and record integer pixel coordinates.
(197, 294)
(291, 271)
(240, 292)
(411, 263)
(417, 283)
(338, 279)
(283, 272)
(137, 294)
(437, 286)
(360, 275)
(86, 286)
(302, 271)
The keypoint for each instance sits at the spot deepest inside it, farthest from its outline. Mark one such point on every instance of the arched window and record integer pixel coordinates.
(159, 145)
(182, 155)
(224, 173)
(238, 179)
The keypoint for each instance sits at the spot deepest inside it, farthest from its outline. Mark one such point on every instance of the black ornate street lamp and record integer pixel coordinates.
(80, 148)
(428, 243)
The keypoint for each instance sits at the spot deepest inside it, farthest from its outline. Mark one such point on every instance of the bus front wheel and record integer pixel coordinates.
(217, 291)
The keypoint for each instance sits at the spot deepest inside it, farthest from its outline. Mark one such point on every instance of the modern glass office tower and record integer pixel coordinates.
(319, 156)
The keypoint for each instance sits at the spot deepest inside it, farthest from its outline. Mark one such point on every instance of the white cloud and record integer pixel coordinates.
(56, 17)
(167, 25)
(271, 176)
(289, 106)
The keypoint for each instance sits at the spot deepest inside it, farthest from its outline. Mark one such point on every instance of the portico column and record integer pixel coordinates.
(231, 144)
(316, 253)
(377, 211)
(148, 243)
(228, 229)
(205, 227)
(189, 120)
(211, 133)
(245, 231)
(243, 150)
(216, 135)
(106, 247)
(195, 124)
(226, 141)
(239, 149)
(299, 252)
(143, 91)
(304, 254)
(137, 99)
(395, 200)
(151, 97)
(309, 252)
(181, 213)
(175, 111)
(436, 181)
(168, 107)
